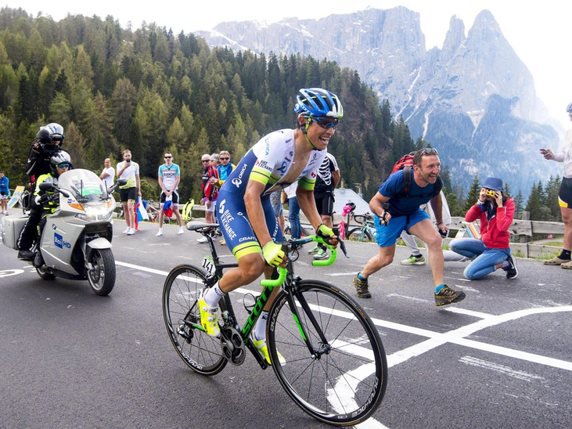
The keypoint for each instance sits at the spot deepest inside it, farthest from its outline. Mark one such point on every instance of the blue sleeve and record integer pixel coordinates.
(393, 185)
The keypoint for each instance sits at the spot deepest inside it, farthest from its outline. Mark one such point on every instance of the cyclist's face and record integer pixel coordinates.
(319, 136)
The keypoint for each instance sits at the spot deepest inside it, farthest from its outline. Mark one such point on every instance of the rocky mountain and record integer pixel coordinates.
(473, 99)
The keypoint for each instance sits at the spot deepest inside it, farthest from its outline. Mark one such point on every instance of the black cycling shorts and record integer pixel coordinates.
(325, 203)
(127, 194)
(174, 199)
(565, 194)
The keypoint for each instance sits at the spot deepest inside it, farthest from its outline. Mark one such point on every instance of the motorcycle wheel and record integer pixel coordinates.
(101, 277)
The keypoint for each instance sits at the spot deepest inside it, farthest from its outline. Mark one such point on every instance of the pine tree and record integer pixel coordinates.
(473, 195)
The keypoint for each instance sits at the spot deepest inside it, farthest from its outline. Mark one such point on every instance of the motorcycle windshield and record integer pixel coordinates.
(84, 185)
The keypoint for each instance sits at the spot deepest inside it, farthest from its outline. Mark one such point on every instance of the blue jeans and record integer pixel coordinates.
(485, 260)
(294, 217)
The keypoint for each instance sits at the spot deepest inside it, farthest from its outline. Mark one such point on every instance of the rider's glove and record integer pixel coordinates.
(40, 200)
(327, 234)
(273, 254)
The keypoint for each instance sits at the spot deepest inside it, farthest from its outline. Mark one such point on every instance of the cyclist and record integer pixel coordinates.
(59, 164)
(397, 211)
(244, 211)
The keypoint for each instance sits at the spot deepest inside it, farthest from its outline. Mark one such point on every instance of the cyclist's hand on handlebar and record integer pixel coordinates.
(327, 234)
(273, 254)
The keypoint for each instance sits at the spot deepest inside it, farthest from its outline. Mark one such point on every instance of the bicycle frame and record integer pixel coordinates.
(288, 282)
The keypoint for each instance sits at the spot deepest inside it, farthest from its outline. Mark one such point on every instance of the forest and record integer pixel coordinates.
(151, 91)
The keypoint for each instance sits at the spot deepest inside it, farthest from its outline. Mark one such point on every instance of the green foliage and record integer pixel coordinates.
(473, 195)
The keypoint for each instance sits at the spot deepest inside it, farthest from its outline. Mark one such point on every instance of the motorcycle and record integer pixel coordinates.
(75, 242)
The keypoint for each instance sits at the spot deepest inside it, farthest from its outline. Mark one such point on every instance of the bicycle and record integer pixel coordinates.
(366, 230)
(335, 365)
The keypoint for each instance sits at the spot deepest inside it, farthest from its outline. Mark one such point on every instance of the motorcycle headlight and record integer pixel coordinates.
(99, 213)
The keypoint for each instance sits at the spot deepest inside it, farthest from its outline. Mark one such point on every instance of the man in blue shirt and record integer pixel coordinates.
(396, 209)
(4, 193)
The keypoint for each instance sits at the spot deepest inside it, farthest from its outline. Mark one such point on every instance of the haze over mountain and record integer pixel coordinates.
(473, 99)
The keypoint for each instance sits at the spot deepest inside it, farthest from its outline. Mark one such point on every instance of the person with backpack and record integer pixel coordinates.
(396, 207)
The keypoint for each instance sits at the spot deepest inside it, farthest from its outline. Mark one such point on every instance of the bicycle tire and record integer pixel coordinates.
(200, 352)
(345, 385)
(359, 234)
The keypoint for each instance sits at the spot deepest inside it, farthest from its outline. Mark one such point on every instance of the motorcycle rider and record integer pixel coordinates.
(59, 163)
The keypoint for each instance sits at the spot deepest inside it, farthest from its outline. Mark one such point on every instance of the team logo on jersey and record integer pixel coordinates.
(236, 182)
(221, 206)
(282, 168)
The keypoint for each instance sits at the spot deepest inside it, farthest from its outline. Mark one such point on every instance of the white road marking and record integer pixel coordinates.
(501, 369)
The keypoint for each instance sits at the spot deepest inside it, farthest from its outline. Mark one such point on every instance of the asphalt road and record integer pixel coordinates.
(501, 358)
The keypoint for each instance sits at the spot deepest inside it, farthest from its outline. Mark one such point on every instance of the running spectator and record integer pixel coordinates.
(495, 211)
(396, 211)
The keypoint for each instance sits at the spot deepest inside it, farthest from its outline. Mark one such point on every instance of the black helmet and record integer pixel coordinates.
(43, 136)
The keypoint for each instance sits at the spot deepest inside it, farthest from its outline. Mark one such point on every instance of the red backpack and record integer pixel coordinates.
(405, 161)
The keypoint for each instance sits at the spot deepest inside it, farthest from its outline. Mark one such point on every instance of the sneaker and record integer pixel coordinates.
(511, 270)
(126, 230)
(362, 288)
(209, 317)
(314, 250)
(202, 240)
(567, 265)
(181, 230)
(159, 233)
(263, 349)
(556, 261)
(26, 255)
(448, 296)
(131, 231)
(413, 260)
(321, 254)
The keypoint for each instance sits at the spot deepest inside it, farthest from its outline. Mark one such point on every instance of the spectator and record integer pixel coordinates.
(4, 192)
(225, 167)
(495, 210)
(169, 176)
(396, 211)
(326, 181)
(209, 190)
(564, 197)
(108, 173)
(293, 211)
(129, 170)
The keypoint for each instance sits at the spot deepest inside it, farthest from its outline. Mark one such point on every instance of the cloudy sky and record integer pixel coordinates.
(538, 31)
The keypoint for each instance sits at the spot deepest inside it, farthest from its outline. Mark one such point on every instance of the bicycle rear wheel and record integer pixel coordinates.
(344, 381)
(359, 234)
(201, 352)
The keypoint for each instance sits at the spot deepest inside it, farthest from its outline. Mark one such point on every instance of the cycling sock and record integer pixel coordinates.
(565, 254)
(359, 276)
(213, 295)
(260, 327)
(439, 287)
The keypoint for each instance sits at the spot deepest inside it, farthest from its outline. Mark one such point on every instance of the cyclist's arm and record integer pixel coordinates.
(254, 211)
(307, 204)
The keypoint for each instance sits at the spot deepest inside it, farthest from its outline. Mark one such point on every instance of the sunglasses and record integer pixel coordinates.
(223, 159)
(428, 151)
(326, 123)
(205, 160)
(168, 156)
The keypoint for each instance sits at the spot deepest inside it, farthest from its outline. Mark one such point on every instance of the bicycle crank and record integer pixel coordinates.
(233, 346)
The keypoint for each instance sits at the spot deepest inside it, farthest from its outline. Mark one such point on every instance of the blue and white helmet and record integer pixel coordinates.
(569, 108)
(318, 103)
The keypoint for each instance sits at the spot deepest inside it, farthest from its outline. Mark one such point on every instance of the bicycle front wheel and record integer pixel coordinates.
(201, 352)
(343, 381)
(359, 234)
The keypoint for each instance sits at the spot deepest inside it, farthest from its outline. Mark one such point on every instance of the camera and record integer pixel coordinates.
(490, 193)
